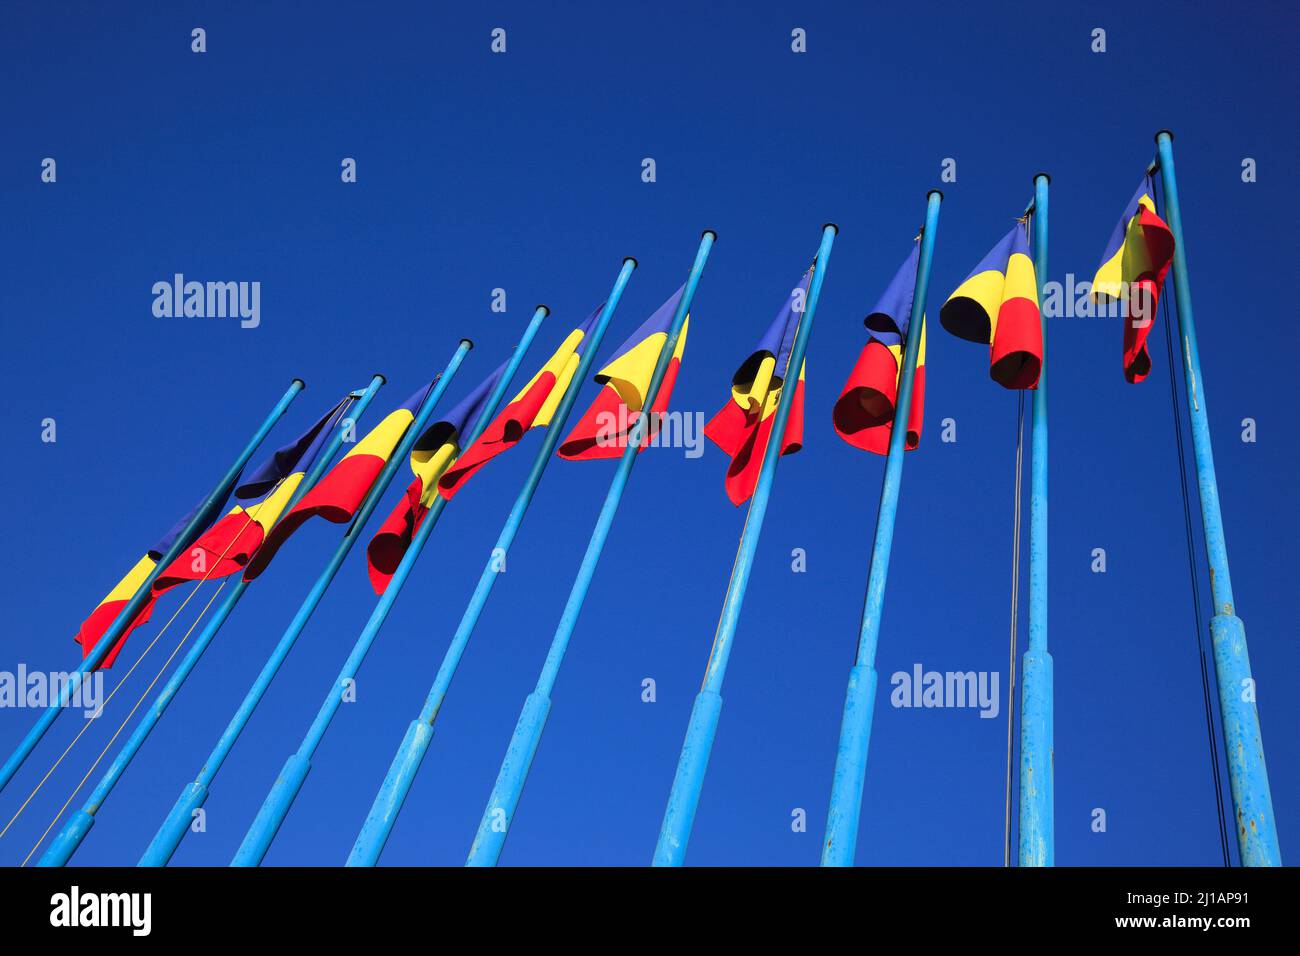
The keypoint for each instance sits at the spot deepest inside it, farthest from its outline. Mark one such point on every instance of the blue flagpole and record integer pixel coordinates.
(406, 763)
(855, 727)
(528, 731)
(1252, 800)
(178, 820)
(1037, 840)
(684, 798)
(284, 791)
(74, 831)
(183, 540)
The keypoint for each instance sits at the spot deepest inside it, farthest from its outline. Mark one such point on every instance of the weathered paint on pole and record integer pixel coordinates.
(855, 726)
(527, 735)
(183, 540)
(688, 782)
(1037, 841)
(177, 822)
(284, 791)
(74, 831)
(1243, 742)
(406, 762)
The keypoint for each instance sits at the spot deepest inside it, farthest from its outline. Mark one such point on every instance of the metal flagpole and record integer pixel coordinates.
(1037, 840)
(1251, 799)
(178, 820)
(684, 797)
(74, 831)
(406, 763)
(285, 789)
(183, 540)
(855, 728)
(528, 731)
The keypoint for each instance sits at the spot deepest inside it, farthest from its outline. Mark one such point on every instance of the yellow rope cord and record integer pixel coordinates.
(127, 675)
(72, 796)
(87, 726)
(343, 409)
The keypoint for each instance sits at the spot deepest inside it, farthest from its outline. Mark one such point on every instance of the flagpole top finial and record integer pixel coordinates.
(301, 383)
(544, 309)
(831, 225)
(1042, 175)
(383, 380)
(468, 343)
(709, 232)
(935, 192)
(631, 259)
(1165, 132)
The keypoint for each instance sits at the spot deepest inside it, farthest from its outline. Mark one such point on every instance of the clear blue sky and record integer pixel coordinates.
(522, 171)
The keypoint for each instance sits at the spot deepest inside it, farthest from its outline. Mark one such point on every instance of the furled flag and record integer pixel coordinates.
(744, 425)
(997, 305)
(228, 545)
(1132, 270)
(433, 453)
(97, 624)
(533, 407)
(864, 412)
(218, 540)
(603, 431)
(337, 496)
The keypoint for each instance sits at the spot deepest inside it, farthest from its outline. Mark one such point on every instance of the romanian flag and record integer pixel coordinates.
(998, 306)
(1133, 269)
(97, 624)
(228, 545)
(603, 431)
(337, 496)
(214, 543)
(432, 455)
(864, 412)
(744, 425)
(533, 407)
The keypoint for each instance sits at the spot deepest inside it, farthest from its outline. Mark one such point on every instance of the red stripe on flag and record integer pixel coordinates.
(227, 548)
(744, 437)
(731, 428)
(335, 498)
(603, 431)
(96, 626)
(388, 546)
(1145, 292)
(505, 432)
(865, 408)
(1016, 355)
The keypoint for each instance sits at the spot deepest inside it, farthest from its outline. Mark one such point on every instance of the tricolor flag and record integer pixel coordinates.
(997, 305)
(603, 431)
(1132, 270)
(433, 453)
(278, 468)
(533, 407)
(101, 619)
(337, 496)
(864, 412)
(744, 425)
(228, 545)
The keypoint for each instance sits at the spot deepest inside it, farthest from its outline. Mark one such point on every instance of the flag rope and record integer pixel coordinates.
(1015, 616)
(126, 720)
(111, 694)
(1191, 568)
(125, 677)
